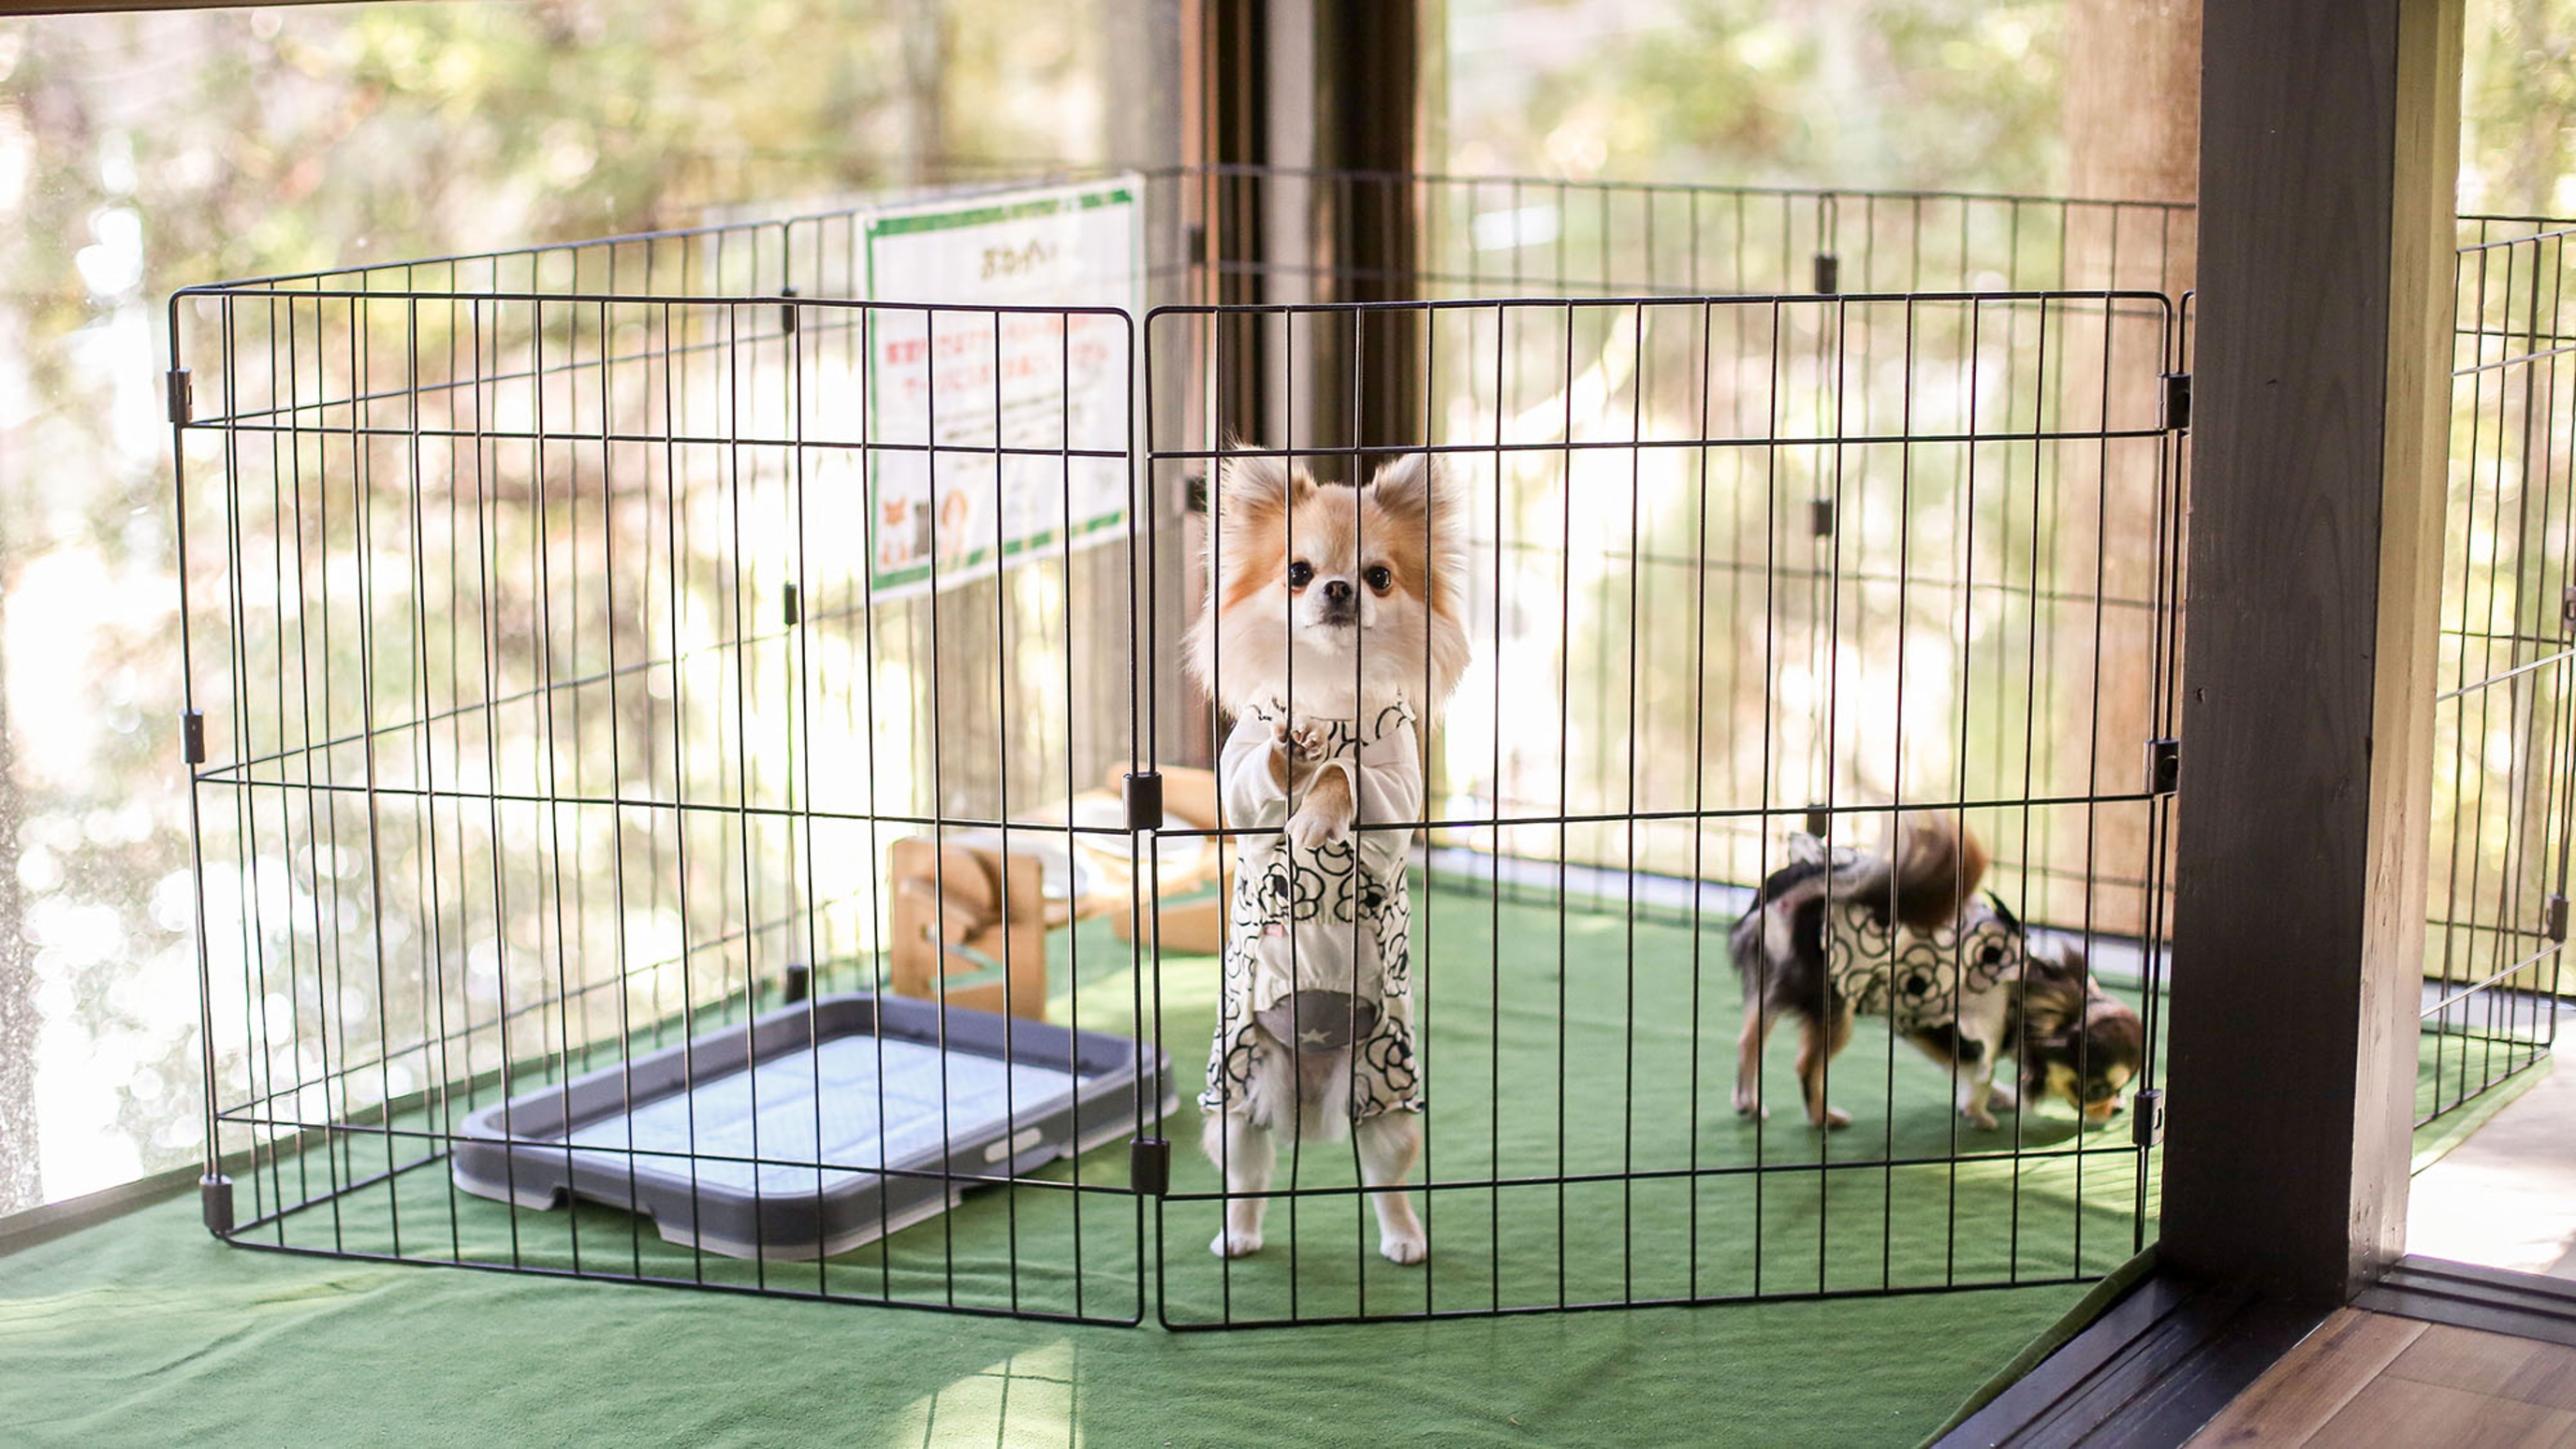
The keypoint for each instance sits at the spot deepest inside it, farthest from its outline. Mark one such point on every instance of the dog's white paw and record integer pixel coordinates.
(1304, 741)
(1982, 1121)
(1747, 1104)
(1407, 1248)
(1234, 1244)
(1312, 829)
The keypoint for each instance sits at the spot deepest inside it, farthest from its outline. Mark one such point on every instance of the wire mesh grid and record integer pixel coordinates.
(1508, 238)
(594, 691)
(1733, 567)
(2496, 973)
(565, 679)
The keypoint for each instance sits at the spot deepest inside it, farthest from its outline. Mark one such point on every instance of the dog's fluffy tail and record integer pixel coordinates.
(1305, 1093)
(1932, 873)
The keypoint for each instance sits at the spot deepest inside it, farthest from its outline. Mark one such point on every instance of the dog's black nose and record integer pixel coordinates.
(1337, 591)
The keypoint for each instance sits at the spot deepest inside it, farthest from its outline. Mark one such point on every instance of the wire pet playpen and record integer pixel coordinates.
(681, 724)
(2502, 776)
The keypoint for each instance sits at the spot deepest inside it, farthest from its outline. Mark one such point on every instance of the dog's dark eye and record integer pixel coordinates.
(1380, 577)
(1300, 574)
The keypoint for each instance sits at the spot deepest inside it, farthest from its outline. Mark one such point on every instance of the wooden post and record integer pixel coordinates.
(1326, 93)
(2132, 129)
(1231, 132)
(1367, 379)
(2132, 122)
(2330, 147)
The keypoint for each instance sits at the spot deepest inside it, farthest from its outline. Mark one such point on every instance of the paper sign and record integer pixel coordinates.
(1005, 435)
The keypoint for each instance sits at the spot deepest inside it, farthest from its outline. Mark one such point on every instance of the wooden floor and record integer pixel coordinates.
(2368, 1379)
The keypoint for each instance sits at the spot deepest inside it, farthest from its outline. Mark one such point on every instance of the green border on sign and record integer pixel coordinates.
(1115, 194)
(987, 560)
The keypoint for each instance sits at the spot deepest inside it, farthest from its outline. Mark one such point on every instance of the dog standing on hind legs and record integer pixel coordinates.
(1333, 629)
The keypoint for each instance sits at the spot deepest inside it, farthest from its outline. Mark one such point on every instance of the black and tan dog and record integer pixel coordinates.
(1905, 935)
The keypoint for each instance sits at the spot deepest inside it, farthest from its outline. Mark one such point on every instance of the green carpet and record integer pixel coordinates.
(145, 1331)
(1583, 1045)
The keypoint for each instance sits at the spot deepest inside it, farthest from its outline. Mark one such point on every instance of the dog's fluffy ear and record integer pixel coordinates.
(1252, 493)
(1938, 868)
(1431, 509)
(2052, 995)
(1417, 487)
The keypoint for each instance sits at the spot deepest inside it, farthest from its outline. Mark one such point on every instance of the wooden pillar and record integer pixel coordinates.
(1230, 136)
(2132, 131)
(1326, 95)
(1368, 375)
(2132, 123)
(1224, 391)
(2330, 147)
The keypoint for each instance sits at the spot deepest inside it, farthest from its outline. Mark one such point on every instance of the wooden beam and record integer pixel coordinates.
(2132, 125)
(1368, 374)
(2423, 210)
(1231, 141)
(2329, 156)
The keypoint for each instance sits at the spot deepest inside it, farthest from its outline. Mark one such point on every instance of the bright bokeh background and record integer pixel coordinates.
(139, 153)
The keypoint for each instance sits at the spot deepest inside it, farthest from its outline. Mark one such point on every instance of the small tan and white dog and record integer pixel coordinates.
(1334, 629)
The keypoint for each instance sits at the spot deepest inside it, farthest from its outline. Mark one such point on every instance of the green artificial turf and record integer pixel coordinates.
(1584, 1046)
(2447, 1070)
(144, 1331)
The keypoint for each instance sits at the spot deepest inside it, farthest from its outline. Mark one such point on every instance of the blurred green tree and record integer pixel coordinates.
(143, 152)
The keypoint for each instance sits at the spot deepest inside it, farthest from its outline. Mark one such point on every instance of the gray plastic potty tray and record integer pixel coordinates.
(828, 1092)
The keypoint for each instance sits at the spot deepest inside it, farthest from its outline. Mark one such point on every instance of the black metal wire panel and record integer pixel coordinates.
(1496, 237)
(560, 714)
(2495, 974)
(552, 717)
(1735, 566)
